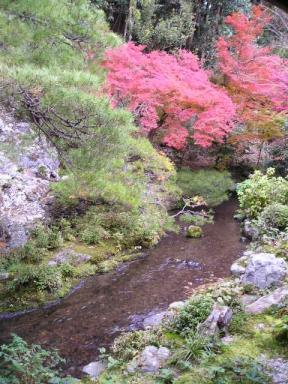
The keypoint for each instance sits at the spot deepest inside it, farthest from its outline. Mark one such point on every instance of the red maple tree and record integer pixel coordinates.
(169, 93)
(256, 79)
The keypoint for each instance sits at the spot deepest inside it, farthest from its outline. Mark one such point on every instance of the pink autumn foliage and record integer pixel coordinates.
(171, 93)
(250, 69)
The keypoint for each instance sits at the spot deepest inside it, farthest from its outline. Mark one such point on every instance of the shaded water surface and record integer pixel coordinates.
(106, 304)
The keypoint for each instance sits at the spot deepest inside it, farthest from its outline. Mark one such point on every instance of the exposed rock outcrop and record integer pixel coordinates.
(217, 321)
(263, 270)
(28, 164)
(265, 302)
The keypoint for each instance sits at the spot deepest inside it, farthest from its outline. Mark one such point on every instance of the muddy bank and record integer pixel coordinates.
(93, 315)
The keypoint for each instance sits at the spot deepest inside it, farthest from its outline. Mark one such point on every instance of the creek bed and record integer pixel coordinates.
(104, 305)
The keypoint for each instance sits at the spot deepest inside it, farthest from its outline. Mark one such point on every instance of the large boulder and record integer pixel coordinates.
(264, 270)
(265, 302)
(28, 164)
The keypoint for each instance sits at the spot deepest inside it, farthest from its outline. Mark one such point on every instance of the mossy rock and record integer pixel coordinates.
(194, 232)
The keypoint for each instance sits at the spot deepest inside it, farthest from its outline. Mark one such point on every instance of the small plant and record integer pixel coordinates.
(195, 312)
(126, 346)
(24, 364)
(166, 376)
(242, 370)
(281, 330)
(196, 347)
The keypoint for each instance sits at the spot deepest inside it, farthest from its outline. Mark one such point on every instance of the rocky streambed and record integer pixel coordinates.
(104, 305)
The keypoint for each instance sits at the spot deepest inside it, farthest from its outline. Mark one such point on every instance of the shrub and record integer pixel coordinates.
(23, 364)
(47, 237)
(281, 330)
(194, 313)
(211, 184)
(126, 346)
(261, 190)
(275, 216)
(38, 278)
(127, 227)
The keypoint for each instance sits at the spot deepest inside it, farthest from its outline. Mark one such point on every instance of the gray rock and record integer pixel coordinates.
(248, 299)
(153, 358)
(23, 193)
(276, 368)
(4, 276)
(218, 320)
(238, 268)
(94, 369)
(177, 305)
(68, 255)
(264, 270)
(154, 320)
(265, 302)
(249, 231)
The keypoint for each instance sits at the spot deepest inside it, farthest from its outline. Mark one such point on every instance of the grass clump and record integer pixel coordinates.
(212, 185)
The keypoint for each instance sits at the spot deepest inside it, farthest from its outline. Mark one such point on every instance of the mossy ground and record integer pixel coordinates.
(105, 257)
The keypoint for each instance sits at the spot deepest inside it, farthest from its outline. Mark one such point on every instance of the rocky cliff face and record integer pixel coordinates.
(28, 164)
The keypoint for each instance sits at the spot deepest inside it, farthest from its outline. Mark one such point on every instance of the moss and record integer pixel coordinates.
(194, 231)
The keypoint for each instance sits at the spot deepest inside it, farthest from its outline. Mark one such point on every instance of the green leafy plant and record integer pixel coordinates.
(126, 346)
(194, 312)
(261, 190)
(24, 364)
(281, 330)
(38, 278)
(242, 370)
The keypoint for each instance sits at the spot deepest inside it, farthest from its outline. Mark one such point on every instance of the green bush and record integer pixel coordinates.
(24, 364)
(127, 227)
(261, 190)
(275, 216)
(213, 185)
(281, 330)
(40, 278)
(46, 237)
(194, 313)
(126, 346)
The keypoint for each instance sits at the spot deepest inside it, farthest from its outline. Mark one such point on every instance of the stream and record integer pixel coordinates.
(104, 305)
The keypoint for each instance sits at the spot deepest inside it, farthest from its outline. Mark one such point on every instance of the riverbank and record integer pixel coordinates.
(107, 304)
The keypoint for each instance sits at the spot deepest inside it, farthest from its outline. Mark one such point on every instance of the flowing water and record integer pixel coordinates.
(104, 305)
